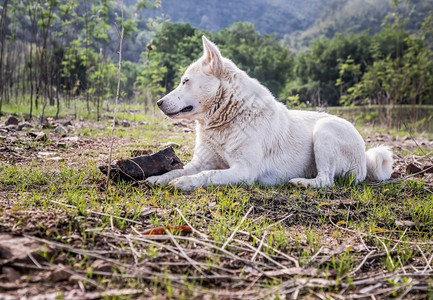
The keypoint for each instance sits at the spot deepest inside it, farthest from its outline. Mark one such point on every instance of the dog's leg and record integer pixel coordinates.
(194, 167)
(324, 157)
(338, 150)
(203, 159)
(325, 164)
(167, 177)
(234, 175)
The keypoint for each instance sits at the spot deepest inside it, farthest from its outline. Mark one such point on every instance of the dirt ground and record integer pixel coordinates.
(38, 245)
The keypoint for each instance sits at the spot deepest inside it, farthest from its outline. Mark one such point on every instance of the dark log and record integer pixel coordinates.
(141, 167)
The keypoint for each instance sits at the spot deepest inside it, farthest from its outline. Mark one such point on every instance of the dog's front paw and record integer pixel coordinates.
(157, 180)
(185, 183)
(152, 180)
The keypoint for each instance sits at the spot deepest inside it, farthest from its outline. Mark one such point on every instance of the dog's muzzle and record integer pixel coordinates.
(172, 114)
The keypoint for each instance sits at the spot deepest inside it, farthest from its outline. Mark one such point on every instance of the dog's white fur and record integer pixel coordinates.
(244, 135)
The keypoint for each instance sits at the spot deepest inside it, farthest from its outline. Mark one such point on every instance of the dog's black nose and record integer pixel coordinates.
(159, 102)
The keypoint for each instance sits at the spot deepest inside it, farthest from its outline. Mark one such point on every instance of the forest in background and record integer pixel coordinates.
(56, 52)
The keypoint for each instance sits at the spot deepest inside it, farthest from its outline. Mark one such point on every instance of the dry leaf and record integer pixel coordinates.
(162, 230)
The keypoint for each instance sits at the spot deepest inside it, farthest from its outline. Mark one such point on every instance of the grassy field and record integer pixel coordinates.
(399, 119)
(72, 237)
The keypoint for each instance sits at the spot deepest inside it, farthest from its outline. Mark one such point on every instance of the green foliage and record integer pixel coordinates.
(143, 4)
(347, 67)
(262, 57)
(177, 45)
(293, 102)
(391, 67)
(73, 71)
(130, 73)
(402, 71)
(148, 81)
(317, 71)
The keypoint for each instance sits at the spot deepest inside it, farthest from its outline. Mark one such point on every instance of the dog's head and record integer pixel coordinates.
(198, 87)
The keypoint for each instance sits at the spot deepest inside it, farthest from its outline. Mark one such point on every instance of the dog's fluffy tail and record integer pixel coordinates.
(379, 163)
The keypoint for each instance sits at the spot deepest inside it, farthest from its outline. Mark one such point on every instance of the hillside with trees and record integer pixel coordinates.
(298, 22)
(55, 53)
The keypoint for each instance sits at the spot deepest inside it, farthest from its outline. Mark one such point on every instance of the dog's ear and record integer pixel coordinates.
(212, 57)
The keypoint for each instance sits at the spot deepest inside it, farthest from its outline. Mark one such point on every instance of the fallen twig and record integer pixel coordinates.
(237, 228)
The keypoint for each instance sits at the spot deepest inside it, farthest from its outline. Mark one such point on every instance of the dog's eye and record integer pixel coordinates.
(185, 81)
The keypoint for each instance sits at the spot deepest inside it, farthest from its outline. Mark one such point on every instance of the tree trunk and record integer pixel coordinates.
(31, 80)
(3, 39)
(58, 103)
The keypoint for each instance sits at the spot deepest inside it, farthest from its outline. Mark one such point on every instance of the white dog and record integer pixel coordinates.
(244, 135)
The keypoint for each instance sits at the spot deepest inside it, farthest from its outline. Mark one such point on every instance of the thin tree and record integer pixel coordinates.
(119, 69)
(3, 39)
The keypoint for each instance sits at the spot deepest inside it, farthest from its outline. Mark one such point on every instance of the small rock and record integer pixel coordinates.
(16, 249)
(61, 130)
(396, 175)
(11, 120)
(125, 123)
(44, 122)
(39, 136)
(60, 275)
(67, 123)
(42, 136)
(11, 127)
(187, 130)
(72, 139)
(101, 266)
(412, 169)
(24, 124)
(11, 274)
